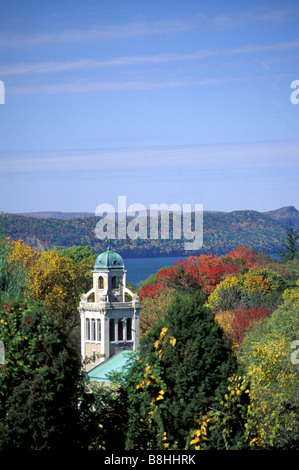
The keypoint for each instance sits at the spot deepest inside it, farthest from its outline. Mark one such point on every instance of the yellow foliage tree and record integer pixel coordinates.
(224, 420)
(271, 421)
(224, 319)
(262, 280)
(53, 279)
(292, 294)
(267, 357)
(22, 256)
(231, 286)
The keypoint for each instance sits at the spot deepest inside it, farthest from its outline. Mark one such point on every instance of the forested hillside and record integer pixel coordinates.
(222, 231)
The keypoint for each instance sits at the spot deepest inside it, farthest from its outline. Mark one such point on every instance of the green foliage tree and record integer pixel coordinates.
(106, 418)
(79, 254)
(183, 366)
(290, 244)
(39, 380)
(43, 401)
(224, 425)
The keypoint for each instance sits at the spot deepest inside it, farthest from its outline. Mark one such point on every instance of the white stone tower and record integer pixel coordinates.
(109, 312)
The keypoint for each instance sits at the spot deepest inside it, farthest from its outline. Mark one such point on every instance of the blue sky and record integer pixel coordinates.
(183, 102)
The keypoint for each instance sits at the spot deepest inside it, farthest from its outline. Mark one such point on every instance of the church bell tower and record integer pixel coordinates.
(109, 312)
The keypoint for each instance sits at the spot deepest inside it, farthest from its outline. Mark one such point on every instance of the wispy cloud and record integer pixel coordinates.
(85, 64)
(265, 13)
(45, 67)
(100, 33)
(85, 86)
(253, 155)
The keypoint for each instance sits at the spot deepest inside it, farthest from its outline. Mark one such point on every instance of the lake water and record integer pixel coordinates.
(139, 269)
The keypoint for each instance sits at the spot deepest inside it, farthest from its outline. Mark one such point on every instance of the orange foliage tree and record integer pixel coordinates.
(242, 258)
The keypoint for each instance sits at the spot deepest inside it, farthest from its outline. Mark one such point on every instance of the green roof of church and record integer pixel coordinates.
(109, 260)
(117, 363)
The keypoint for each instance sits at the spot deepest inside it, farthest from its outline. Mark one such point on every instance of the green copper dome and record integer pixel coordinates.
(109, 260)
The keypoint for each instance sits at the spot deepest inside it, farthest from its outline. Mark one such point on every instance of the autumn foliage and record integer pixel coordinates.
(234, 285)
(53, 278)
(242, 258)
(243, 318)
(204, 271)
(216, 367)
(150, 291)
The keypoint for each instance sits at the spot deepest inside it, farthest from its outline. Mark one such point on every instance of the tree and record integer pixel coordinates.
(243, 318)
(292, 294)
(290, 244)
(11, 278)
(153, 309)
(152, 278)
(195, 273)
(242, 258)
(224, 424)
(183, 365)
(266, 358)
(43, 400)
(79, 254)
(38, 382)
(255, 288)
(56, 279)
(227, 294)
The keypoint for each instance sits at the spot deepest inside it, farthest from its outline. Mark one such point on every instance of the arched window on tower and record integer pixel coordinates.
(101, 282)
(115, 282)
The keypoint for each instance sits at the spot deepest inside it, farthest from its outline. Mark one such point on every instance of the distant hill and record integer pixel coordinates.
(71, 215)
(223, 231)
(287, 216)
(56, 215)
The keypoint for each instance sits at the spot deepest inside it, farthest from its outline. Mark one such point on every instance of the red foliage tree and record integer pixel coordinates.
(182, 275)
(204, 271)
(244, 318)
(149, 291)
(242, 258)
(194, 272)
